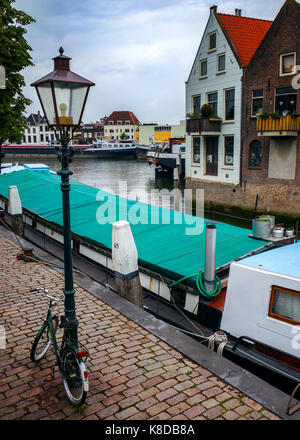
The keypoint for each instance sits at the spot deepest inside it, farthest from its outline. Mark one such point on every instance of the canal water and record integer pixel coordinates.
(106, 174)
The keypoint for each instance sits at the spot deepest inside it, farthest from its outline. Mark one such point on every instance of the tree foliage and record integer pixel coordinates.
(14, 56)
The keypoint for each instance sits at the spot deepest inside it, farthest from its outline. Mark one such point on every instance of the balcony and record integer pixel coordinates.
(204, 126)
(283, 126)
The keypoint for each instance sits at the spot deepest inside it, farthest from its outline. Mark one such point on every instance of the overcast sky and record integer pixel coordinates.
(138, 52)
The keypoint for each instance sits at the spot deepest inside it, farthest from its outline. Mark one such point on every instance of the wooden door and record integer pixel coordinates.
(212, 145)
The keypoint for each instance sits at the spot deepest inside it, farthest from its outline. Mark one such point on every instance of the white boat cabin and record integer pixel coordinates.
(263, 299)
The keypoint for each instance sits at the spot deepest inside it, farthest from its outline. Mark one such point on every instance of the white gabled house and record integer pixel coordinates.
(213, 149)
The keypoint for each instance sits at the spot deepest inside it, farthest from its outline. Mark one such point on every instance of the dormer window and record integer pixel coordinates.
(110, 122)
(212, 42)
(127, 122)
(288, 64)
(119, 122)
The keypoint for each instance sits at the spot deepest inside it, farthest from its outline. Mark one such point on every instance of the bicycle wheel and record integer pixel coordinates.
(42, 341)
(73, 377)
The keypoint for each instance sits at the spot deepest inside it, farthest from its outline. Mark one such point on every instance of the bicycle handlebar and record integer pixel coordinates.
(45, 291)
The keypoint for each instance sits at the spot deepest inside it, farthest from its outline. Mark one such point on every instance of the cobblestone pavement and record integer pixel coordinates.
(133, 374)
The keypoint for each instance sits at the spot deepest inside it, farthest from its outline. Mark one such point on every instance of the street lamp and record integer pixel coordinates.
(63, 96)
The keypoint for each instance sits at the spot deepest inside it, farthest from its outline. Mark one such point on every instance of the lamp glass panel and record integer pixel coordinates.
(46, 98)
(69, 100)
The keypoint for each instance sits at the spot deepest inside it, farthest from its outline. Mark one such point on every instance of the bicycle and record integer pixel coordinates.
(70, 360)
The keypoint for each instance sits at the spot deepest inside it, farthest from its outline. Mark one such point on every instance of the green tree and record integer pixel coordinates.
(123, 136)
(14, 56)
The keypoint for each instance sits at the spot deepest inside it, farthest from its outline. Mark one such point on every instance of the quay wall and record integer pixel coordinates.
(281, 199)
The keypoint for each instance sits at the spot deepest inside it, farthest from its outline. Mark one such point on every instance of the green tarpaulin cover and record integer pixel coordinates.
(169, 249)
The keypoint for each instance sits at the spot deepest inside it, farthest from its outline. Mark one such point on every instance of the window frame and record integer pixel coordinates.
(209, 41)
(229, 120)
(214, 102)
(281, 64)
(193, 107)
(256, 97)
(218, 58)
(274, 315)
(224, 151)
(196, 163)
(276, 94)
(203, 61)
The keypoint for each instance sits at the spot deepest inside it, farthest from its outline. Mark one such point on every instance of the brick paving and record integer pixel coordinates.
(133, 374)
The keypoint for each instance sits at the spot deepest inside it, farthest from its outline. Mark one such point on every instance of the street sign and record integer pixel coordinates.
(2, 77)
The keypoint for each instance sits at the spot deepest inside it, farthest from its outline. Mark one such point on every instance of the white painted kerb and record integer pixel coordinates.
(14, 202)
(124, 252)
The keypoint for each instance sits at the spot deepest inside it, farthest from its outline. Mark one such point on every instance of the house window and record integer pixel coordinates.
(34, 139)
(257, 101)
(28, 130)
(41, 128)
(119, 122)
(212, 41)
(110, 122)
(221, 63)
(286, 100)
(127, 122)
(228, 150)
(229, 104)
(203, 69)
(212, 100)
(255, 154)
(196, 149)
(29, 139)
(285, 305)
(287, 64)
(111, 130)
(127, 130)
(196, 104)
(42, 137)
(33, 130)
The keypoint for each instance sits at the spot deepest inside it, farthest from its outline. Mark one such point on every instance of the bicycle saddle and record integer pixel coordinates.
(64, 322)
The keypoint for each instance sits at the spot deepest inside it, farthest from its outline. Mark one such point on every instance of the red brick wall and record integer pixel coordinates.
(263, 73)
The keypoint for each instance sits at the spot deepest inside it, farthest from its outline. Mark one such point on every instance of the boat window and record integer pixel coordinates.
(285, 305)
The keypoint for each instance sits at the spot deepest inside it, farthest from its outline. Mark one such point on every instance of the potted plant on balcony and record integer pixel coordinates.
(206, 111)
(275, 115)
(263, 114)
(295, 115)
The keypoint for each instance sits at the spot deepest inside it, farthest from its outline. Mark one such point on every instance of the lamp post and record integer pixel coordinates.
(63, 96)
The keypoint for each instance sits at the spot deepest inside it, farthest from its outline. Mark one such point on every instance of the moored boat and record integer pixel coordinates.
(113, 149)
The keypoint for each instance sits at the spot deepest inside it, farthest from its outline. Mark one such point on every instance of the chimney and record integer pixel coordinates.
(214, 8)
(238, 12)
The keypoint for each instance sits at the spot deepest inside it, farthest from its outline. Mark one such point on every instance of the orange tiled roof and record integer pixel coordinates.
(245, 33)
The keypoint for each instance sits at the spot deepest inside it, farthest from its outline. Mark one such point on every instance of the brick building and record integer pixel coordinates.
(271, 145)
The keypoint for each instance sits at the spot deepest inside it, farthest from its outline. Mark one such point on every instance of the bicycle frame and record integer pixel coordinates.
(66, 341)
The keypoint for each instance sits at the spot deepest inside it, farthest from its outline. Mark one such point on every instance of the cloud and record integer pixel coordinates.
(139, 54)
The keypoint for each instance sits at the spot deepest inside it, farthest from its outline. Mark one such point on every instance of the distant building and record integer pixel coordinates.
(87, 133)
(154, 133)
(121, 122)
(37, 131)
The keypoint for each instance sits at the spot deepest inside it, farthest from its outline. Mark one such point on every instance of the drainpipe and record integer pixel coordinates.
(210, 258)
